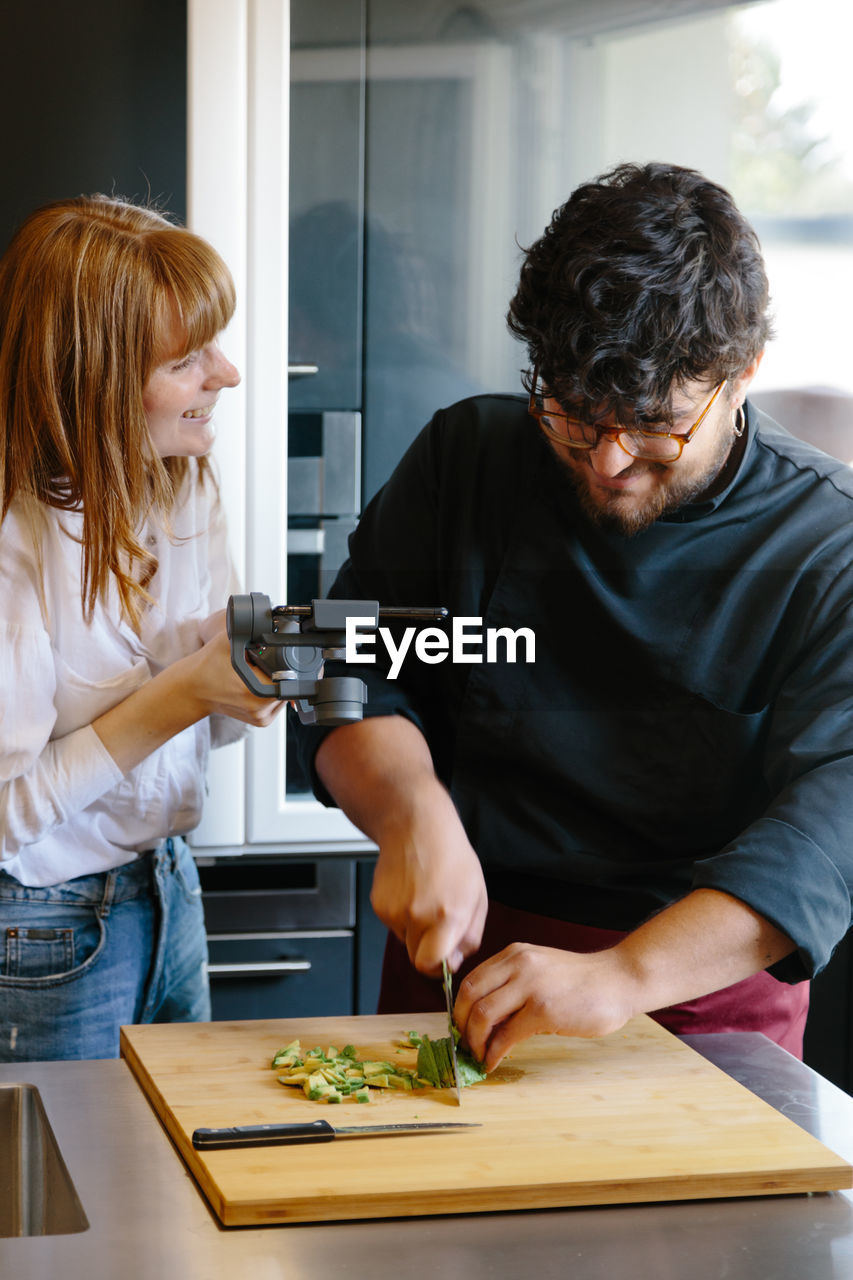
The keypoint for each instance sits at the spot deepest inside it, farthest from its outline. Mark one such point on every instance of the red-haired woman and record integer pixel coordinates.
(115, 673)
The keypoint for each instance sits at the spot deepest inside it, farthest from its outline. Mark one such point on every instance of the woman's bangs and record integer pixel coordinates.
(201, 294)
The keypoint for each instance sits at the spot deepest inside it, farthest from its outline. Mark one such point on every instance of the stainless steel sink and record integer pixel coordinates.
(37, 1196)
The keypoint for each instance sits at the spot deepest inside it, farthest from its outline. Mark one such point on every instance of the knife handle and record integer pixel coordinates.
(263, 1135)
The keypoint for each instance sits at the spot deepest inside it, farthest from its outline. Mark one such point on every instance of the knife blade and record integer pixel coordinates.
(448, 1000)
(274, 1135)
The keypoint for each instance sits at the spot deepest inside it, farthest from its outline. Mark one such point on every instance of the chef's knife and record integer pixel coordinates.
(274, 1135)
(448, 1000)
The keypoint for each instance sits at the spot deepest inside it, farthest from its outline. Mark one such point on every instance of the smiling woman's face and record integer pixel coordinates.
(179, 399)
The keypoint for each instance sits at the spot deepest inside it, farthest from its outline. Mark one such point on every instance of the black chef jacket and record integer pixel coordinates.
(688, 719)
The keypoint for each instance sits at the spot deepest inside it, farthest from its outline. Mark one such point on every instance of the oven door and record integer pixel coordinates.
(281, 936)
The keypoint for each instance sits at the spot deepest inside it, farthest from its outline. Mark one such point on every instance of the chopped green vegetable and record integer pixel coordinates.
(334, 1075)
(436, 1065)
(470, 1070)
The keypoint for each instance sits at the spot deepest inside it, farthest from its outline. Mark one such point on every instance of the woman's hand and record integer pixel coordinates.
(202, 683)
(213, 681)
(212, 625)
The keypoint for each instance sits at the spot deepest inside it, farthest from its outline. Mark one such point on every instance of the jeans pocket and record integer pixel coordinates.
(47, 953)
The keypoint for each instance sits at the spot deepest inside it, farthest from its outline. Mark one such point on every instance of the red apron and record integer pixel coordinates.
(759, 1003)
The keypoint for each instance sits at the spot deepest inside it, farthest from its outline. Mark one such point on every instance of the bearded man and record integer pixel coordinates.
(657, 814)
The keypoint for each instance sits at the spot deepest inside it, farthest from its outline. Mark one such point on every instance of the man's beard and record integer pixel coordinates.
(607, 513)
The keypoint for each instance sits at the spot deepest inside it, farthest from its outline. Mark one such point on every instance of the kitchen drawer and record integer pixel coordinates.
(275, 893)
(281, 975)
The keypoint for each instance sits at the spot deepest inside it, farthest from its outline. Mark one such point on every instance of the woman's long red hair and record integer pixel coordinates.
(90, 290)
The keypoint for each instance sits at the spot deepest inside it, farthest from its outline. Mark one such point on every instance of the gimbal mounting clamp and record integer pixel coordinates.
(290, 643)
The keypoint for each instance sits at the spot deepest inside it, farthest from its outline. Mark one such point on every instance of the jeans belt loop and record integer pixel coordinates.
(109, 891)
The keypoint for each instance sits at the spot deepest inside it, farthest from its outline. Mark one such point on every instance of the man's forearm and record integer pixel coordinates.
(375, 769)
(702, 943)
(428, 886)
(707, 941)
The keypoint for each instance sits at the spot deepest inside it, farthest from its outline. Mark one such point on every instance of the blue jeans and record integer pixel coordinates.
(79, 959)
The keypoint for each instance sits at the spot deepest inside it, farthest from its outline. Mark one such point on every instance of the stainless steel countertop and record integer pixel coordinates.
(149, 1221)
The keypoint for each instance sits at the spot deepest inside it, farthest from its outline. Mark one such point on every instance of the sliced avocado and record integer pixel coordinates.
(427, 1067)
(470, 1070)
(435, 1064)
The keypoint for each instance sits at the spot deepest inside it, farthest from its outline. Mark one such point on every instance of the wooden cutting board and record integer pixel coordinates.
(634, 1116)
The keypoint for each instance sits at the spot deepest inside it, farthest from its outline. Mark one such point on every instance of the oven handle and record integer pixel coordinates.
(258, 968)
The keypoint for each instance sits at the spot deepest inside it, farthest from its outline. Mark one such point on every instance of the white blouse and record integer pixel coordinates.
(66, 809)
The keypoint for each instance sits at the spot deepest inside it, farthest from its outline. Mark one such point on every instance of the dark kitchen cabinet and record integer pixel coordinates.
(93, 98)
(370, 941)
(292, 975)
(290, 936)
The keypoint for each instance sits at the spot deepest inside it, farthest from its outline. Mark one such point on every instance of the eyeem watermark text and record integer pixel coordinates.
(466, 643)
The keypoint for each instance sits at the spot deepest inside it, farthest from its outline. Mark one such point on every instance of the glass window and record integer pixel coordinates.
(478, 124)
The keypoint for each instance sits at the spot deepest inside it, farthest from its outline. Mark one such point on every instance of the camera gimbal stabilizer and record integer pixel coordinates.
(291, 642)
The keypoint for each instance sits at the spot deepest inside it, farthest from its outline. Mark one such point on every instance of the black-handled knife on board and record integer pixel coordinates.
(275, 1135)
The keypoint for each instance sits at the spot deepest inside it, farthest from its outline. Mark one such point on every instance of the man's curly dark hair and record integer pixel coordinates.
(645, 279)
